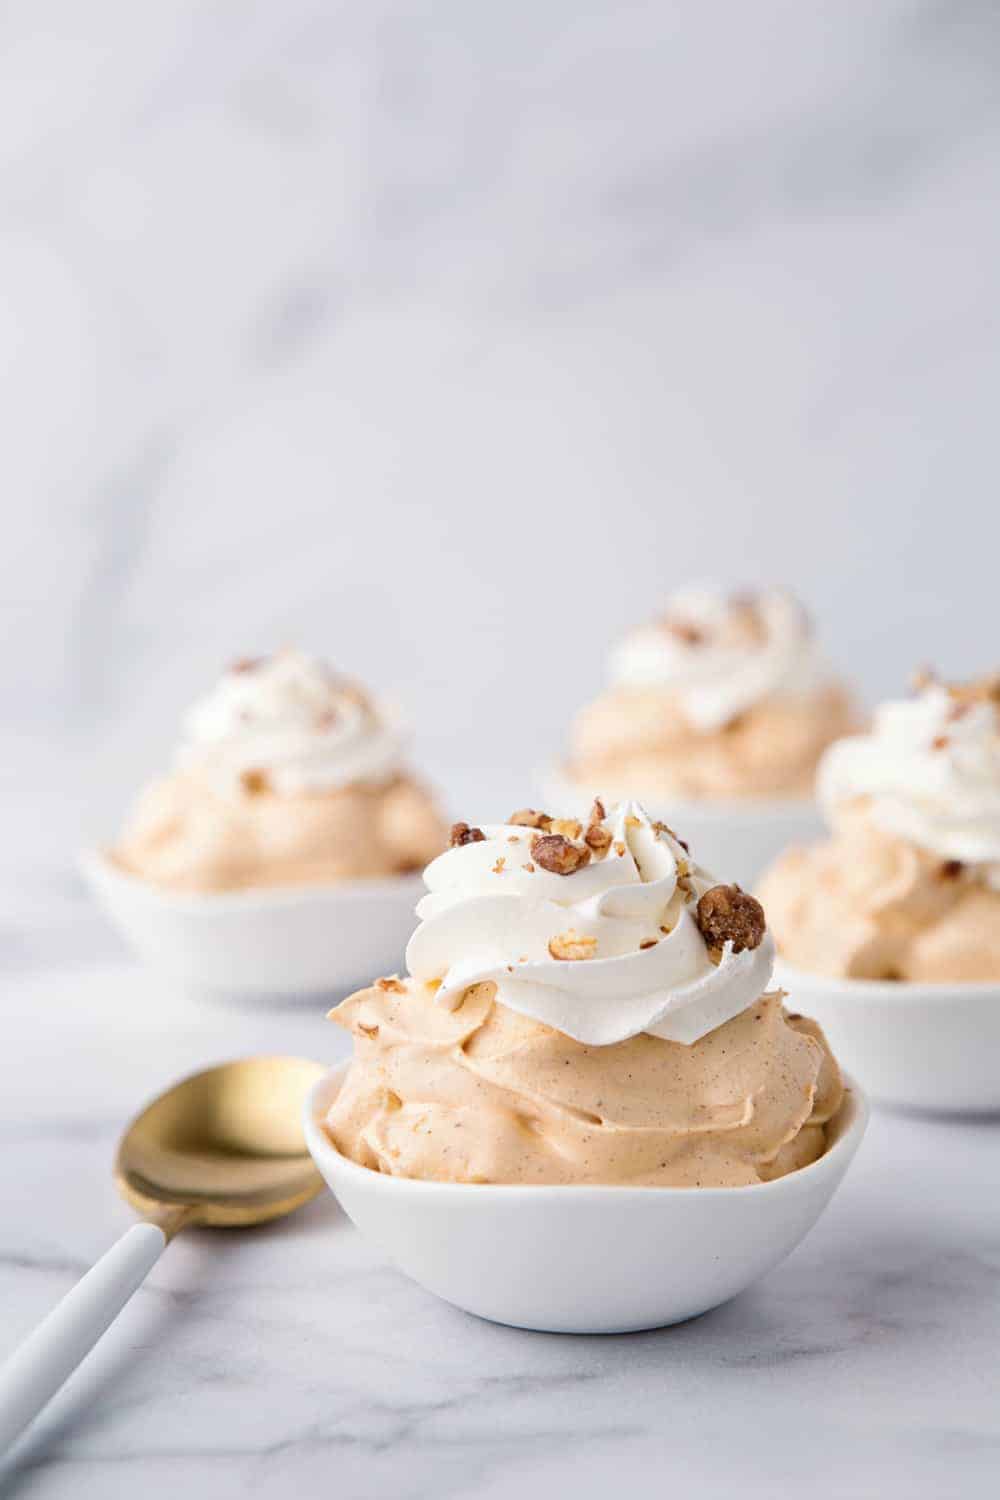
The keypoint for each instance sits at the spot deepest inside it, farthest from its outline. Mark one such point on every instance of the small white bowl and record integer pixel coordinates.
(735, 840)
(283, 942)
(582, 1259)
(914, 1046)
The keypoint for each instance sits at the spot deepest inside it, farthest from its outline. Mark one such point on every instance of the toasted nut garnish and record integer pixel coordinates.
(659, 827)
(392, 983)
(619, 848)
(555, 853)
(498, 867)
(725, 914)
(648, 943)
(529, 867)
(568, 827)
(981, 690)
(461, 833)
(939, 742)
(371, 1031)
(255, 782)
(597, 812)
(685, 630)
(570, 945)
(598, 838)
(527, 817)
(951, 869)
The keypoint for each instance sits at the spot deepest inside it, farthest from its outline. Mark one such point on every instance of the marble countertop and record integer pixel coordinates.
(357, 326)
(294, 1359)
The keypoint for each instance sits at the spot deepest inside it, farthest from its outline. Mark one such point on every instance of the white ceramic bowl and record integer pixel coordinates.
(735, 840)
(914, 1046)
(287, 941)
(582, 1259)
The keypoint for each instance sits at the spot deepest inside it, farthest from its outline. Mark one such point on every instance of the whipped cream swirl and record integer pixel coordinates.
(291, 719)
(720, 655)
(492, 913)
(931, 769)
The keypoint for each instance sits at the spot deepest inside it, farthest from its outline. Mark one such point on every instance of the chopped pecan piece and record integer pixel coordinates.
(598, 838)
(568, 827)
(556, 854)
(648, 943)
(659, 827)
(498, 867)
(951, 869)
(392, 983)
(725, 914)
(571, 945)
(461, 833)
(597, 813)
(527, 817)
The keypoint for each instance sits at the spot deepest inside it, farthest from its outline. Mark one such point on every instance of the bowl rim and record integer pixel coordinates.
(553, 777)
(855, 1111)
(99, 870)
(895, 991)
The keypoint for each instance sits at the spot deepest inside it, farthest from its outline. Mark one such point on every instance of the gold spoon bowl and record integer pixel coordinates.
(224, 1148)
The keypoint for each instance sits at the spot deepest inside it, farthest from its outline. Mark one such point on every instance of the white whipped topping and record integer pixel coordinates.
(931, 769)
(720, 655)
(290, 717)
(480, 922)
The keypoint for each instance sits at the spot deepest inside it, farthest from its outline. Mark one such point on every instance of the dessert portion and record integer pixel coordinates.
(287, 774)
(584, 1004)
(908, 884)
(724, 696)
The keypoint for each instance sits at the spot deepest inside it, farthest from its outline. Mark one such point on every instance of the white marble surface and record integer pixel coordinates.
(445, 338)
(294, 1360)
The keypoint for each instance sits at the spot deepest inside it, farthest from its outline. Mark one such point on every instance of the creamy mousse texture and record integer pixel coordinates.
(584, 1004)
(908, 884)
(725, 696)
(287, 774)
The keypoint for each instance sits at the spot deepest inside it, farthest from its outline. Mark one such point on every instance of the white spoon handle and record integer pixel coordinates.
(36, 1370)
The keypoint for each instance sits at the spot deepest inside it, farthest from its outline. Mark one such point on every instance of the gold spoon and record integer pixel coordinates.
(225, 1148)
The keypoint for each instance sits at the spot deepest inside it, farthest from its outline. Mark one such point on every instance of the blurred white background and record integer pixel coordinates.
(447, 338)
